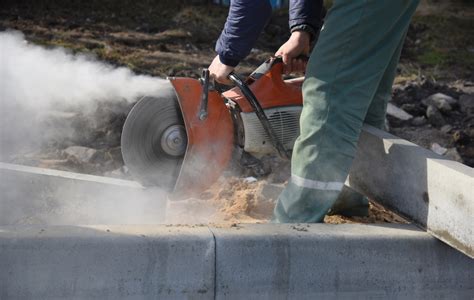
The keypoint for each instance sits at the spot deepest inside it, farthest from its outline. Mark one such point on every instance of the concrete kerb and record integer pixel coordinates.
(106, 262)
(436, 193)
(303, 261)
(263, 261)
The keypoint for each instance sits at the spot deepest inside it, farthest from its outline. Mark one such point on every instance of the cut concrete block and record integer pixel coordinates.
(321, 261)
(31, 195)
(436, 193)
(106, 262)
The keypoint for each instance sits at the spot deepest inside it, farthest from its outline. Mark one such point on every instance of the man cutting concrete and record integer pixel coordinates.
(348, 83)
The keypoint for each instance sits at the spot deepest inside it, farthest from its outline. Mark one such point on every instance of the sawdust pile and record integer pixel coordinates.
(377, 214)
(229, 200)
(242, 200)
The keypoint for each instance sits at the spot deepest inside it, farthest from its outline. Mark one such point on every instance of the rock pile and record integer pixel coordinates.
(442, 117)
(80, 140)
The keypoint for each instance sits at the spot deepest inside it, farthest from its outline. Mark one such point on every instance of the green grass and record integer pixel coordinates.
(433, 58)
(445, 46)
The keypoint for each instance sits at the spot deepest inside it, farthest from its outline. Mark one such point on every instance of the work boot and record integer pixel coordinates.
(350, 204)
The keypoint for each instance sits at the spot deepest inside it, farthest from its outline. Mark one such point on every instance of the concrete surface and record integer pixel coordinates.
(436, 193)
(31, 195)
(322, 261)
(106, 262)
(262, 261)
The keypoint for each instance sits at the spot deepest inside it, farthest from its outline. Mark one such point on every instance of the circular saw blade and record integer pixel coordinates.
(154, 140)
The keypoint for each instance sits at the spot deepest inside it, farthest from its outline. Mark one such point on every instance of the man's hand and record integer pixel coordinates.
(297, 44)
(219, 71)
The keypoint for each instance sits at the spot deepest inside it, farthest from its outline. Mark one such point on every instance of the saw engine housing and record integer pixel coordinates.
(285, 123)
(281, 101)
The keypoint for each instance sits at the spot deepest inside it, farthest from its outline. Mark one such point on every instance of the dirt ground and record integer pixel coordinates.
(178, 40)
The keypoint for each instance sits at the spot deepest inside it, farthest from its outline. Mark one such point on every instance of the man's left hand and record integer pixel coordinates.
(220, 71)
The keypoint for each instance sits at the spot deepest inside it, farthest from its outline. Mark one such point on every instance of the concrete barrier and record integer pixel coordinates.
(321, 261)
(262, 261)
(436, 193)
(106, 262)
(30, 195)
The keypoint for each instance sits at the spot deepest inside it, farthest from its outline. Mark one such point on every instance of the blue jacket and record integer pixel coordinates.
(247, 18)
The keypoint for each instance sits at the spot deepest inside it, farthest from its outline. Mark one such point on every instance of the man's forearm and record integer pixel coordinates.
(245, 21)
(306, 15)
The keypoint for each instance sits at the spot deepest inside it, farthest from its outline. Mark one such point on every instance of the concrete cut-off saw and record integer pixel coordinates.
(183, 139)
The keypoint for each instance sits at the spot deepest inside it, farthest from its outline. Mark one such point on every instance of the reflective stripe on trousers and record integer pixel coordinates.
(316, 185)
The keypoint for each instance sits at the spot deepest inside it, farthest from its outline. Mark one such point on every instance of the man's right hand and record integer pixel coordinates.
(219, 71)
(298, 44)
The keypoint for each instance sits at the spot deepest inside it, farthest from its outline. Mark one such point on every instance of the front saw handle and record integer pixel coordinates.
(205, 95)
(249, 95)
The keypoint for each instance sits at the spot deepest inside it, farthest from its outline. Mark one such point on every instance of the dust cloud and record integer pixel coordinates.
(38, 84)
(41, 91)
(38, 77)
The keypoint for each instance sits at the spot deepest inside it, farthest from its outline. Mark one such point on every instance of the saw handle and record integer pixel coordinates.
(268, 67)
(205, 95)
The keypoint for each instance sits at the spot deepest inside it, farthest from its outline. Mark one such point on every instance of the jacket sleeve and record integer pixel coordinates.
(306, 15)
(244, 24)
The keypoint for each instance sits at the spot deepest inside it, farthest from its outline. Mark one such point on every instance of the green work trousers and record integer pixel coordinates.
(348, 83)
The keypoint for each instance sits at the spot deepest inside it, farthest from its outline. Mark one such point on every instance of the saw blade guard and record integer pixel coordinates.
(210, 140)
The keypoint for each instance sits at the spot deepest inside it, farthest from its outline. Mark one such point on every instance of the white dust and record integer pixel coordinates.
(37, 77)
(35, 81)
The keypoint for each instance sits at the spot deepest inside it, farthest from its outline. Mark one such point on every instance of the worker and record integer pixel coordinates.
(348, 82)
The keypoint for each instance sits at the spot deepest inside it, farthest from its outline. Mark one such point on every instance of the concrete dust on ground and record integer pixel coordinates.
(234, 200)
